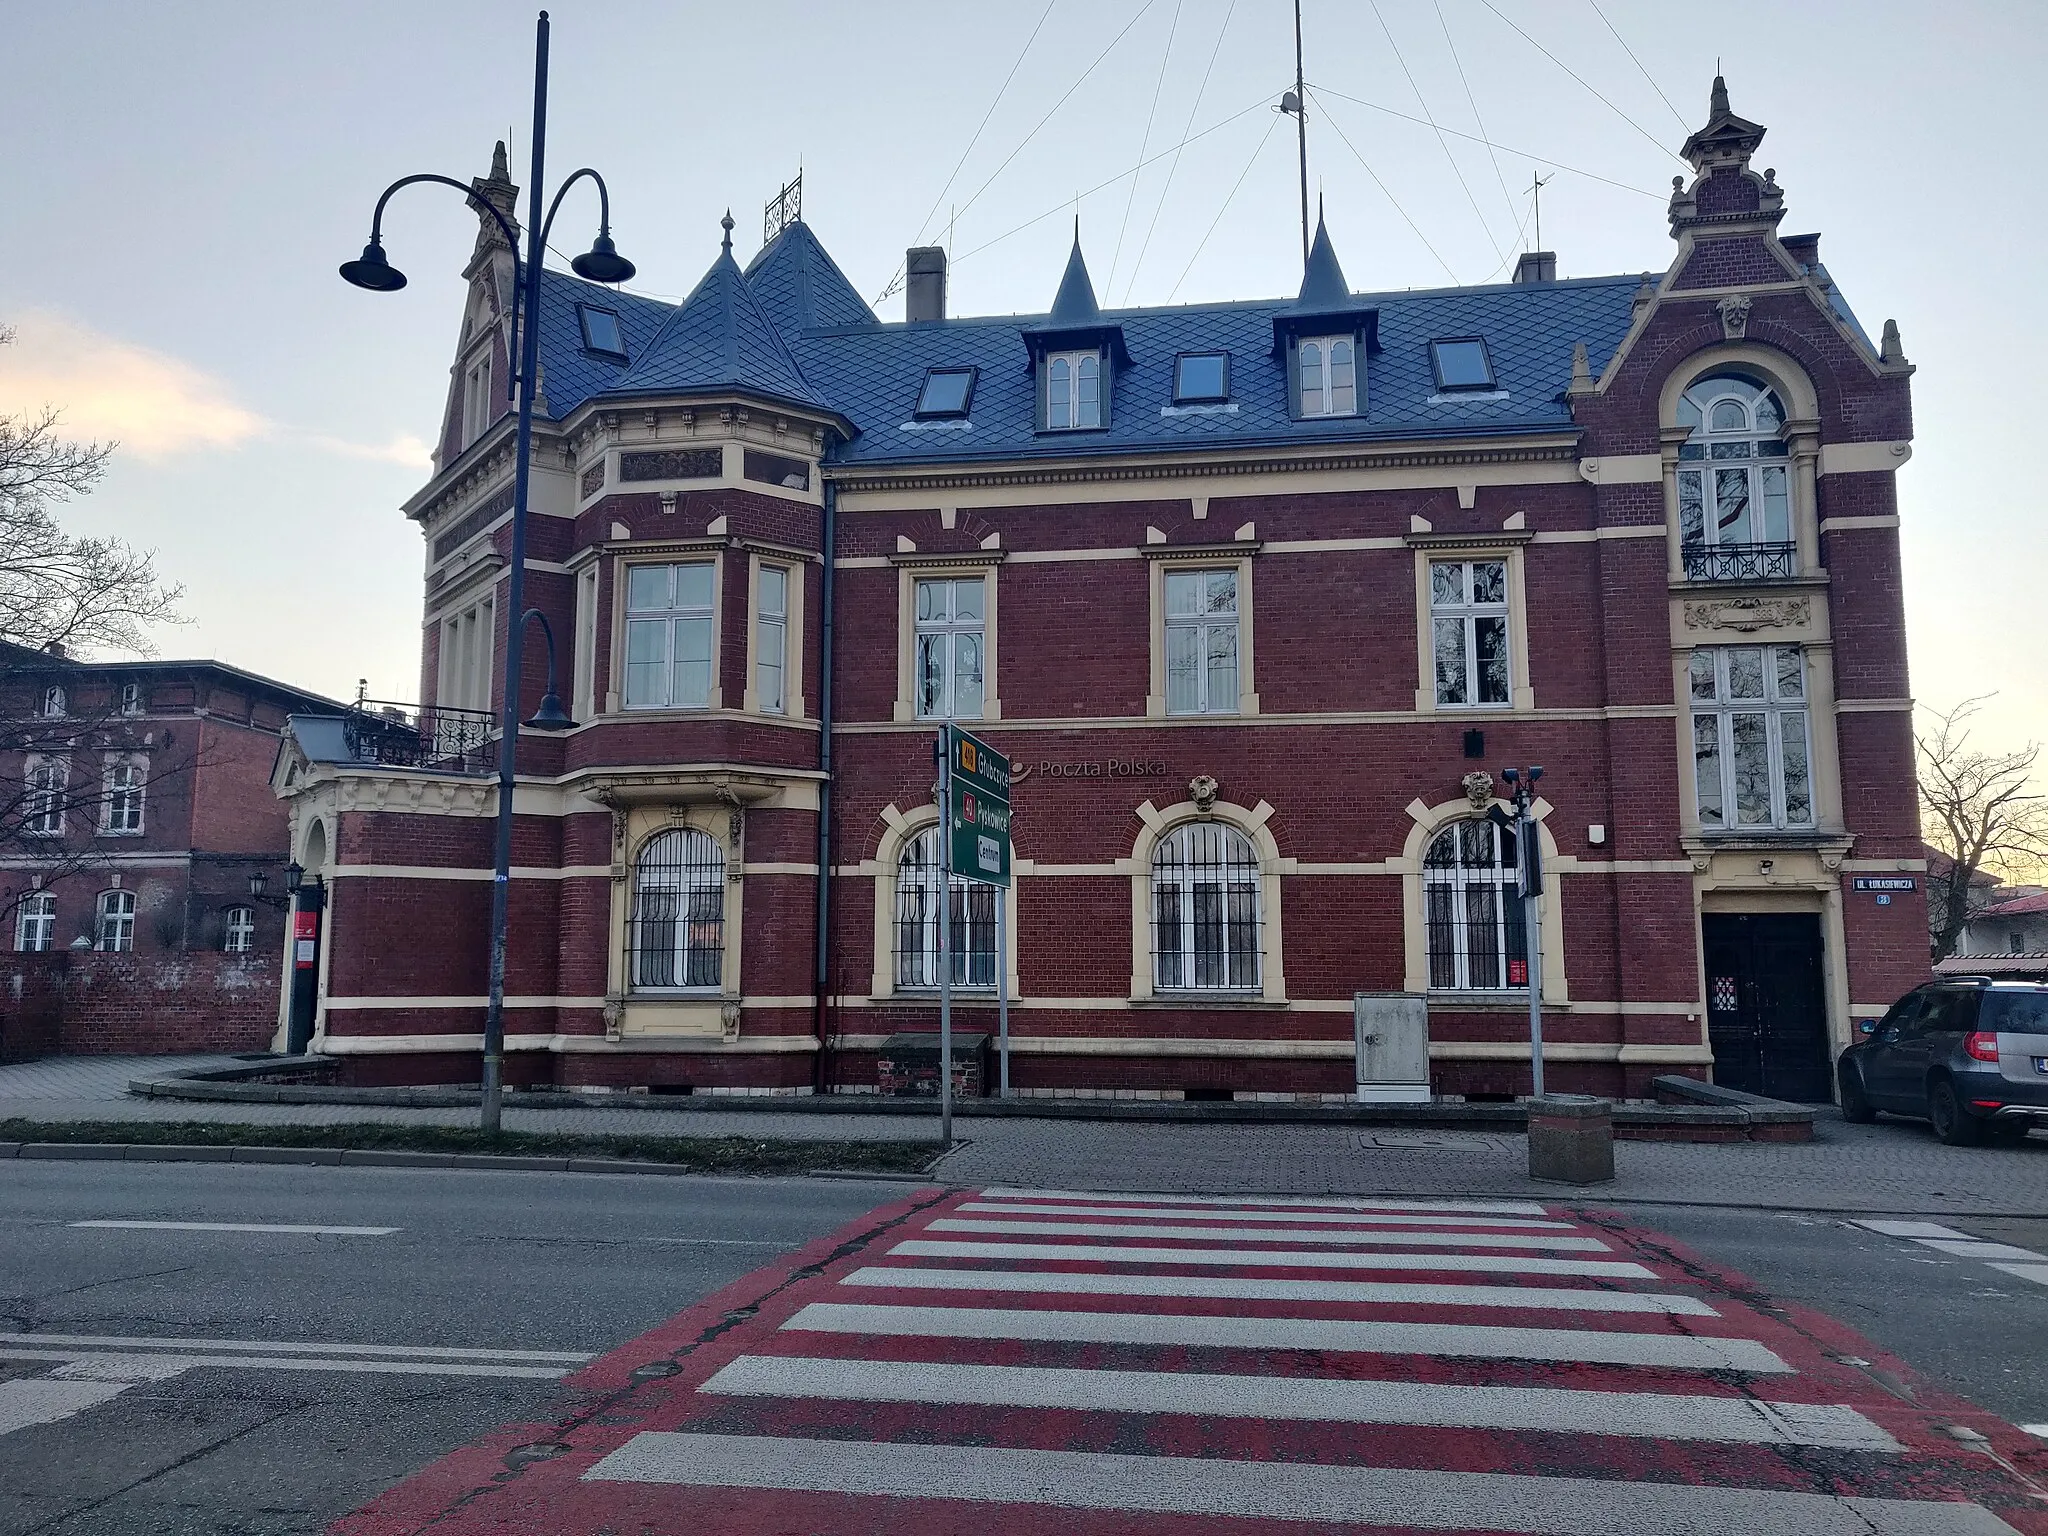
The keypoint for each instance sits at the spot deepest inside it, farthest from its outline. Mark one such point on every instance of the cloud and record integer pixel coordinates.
(156, 406)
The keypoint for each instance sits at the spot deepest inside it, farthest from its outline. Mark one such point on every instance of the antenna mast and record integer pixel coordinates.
(1536, 186)
(1301, 129)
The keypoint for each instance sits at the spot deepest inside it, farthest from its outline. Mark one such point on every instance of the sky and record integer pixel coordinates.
(183, 178)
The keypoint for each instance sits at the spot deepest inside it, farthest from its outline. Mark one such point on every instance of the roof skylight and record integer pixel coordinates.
(1461, 363)
(946, 392)
(602, 331)
(1201, 377)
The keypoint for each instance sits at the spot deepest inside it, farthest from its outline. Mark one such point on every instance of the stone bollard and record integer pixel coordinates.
(1571, 1139)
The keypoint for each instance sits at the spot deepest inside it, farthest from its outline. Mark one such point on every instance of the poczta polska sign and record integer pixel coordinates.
(978, 818)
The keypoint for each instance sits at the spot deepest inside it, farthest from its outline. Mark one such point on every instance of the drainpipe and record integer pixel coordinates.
(820, 1072)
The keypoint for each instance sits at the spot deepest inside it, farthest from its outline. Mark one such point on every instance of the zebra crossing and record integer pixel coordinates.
(1037, 1360)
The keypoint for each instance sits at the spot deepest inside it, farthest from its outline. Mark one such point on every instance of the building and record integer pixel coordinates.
(2017, 925)
(1259, 596)
(135, 812)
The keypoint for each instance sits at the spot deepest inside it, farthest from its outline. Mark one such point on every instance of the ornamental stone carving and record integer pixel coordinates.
(1734, 312)
(1202, 790)
(1746, 615)
(1478, 787)
(729, 1020)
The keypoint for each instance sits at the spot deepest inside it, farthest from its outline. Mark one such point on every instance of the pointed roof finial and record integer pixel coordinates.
(1893, 351)
(1075, 303)
(1322, 282)
(726, 225)
(499, 172)
(1717, 103)
(1582, 371)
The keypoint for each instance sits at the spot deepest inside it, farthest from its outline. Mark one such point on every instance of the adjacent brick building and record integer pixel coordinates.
(1257, 596)
(135, 805)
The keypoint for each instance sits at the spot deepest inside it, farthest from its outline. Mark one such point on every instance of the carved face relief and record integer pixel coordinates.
(1734, 312)
(1478, 787)
(1202, 789)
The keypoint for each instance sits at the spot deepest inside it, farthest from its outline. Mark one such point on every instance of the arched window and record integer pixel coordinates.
(971, 912)
(1073, 390)
(116, 921)
(35, 922)
(1734, 481)
(53, 703)
(1328, 376)
(238, 930)
(677, 932)
(1205, 910)
(1477, 941)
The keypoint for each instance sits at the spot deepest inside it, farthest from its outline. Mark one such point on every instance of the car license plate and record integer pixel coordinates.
(2041, 1063)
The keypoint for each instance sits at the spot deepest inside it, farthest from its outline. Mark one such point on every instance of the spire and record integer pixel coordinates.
(1322, 281)
(1075, 303)
(1724, 190)
(1717, 101)
(726, 225)
(1726, 140)
(498, 170)
(499, 191)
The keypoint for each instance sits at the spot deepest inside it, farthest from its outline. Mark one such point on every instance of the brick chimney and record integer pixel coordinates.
(1536, 267)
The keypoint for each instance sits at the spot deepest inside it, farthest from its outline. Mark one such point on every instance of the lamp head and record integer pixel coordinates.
(372, 271)
(257, 881)
(1535, 774)
(1512, 775)
(294, 877)
(602, 263)
(550, 716)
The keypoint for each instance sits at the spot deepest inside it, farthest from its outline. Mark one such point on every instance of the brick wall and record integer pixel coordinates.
(88, 1004)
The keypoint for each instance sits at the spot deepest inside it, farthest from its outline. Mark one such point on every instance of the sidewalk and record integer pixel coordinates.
(1895, 1166)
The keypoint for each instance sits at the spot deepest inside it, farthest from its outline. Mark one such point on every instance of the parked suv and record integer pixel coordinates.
(1967, 1053)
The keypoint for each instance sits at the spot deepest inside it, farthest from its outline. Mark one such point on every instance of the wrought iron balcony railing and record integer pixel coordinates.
(1740, 562)
(429, 736)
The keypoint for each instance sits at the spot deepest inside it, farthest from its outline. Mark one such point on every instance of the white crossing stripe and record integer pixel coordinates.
(1558, 1410)
(282, 1346)
(299, 1363)
(1408, 1498)
(1277, 1258)
(2036, 1429)
(1355, 1218)
(239, 1226)
(1907, 1228)
(42, 1401)
(1972, 1248)
(1234, 1288)
(2038, 1273)
(1272, 1235)
(1277, 1202)
(1577, 1346)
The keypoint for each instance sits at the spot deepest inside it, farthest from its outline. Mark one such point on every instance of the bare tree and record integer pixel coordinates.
(1981, 811)
(57, 589)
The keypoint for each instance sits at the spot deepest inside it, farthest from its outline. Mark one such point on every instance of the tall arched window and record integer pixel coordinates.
(1477, 941)
(1734, 481)
(971, 911)
(1205, 910)
(677, 932)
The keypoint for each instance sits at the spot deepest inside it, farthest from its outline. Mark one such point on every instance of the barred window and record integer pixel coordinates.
(1476, 937)
(35, 922)
(1752, 761)
(1205, 910)
(116, 920)
(970, 908)
(238, 933)
(677, 932)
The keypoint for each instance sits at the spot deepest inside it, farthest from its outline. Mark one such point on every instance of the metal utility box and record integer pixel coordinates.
(1391, 1038)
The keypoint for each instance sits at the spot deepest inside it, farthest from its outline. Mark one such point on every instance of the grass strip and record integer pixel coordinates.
(700, 1154)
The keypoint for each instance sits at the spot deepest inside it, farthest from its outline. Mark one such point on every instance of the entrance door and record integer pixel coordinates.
(1766, 1011)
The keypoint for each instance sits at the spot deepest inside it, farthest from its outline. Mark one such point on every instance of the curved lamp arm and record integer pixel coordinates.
(469, 192)
(604, 204)
(550, 716)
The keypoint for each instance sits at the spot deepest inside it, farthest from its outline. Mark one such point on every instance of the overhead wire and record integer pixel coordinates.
(1264, 139)
(1144, 143)
(1560, 63)
(1442, 143)
(1519, 230)
(1130, 286)
(1001, 91)
(1385, 189)
(1680, 116)
(1473, 102)
(1510, 149)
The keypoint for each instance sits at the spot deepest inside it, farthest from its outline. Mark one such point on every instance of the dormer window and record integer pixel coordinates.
(1328, 371)
(948, 393)
(602, 332)
(1461, 363)
(1073, 391)
(1201, 378)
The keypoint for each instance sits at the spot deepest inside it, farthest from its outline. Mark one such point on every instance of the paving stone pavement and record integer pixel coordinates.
(1894, 1166)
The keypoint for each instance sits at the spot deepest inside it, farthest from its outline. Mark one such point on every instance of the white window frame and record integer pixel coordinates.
(1317, 365)
(1464, 615)
(238, 930)
(477, 414)
(971, 908)
(1787, 718)
(124, 782)
(942, 636)
(469, 639)
(35, 923)
(53, 702)
(583, 690)
(1203, 626)
(131, 698)
(665, 620)
(48, 780)
(1074, 390)
(701, 868)
(114, 922)
(1179, 862)
(771, 639)
(1461, 881)
(1734, 453)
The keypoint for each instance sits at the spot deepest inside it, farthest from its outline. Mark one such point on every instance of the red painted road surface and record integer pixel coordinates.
(1033, 1361)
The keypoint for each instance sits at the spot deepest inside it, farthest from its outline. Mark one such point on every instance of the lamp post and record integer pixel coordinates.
(600, 264)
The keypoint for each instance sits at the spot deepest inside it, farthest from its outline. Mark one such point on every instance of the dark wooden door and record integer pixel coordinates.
(1766, 1010)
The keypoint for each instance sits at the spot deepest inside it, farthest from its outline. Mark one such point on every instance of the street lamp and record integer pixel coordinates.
(602, 263)
(1529, 882)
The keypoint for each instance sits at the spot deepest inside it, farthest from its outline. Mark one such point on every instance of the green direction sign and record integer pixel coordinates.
(978, 819)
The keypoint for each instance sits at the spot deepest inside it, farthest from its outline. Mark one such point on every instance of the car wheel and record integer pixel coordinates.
(1952, 1123)
(1855, 1102)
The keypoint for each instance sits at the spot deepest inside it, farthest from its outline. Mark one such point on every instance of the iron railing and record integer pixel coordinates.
(1740, 562)
(430, 736)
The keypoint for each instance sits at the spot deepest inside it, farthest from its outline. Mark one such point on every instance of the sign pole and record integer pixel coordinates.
(1532, 921)
(946, 937)
(1003, 985)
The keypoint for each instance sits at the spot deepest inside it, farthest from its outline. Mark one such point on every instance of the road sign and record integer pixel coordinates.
(978, 818)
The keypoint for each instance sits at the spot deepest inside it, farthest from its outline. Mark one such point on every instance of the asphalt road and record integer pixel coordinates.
(481, 1261)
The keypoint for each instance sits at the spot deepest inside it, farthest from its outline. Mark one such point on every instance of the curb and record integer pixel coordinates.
(350, 1157)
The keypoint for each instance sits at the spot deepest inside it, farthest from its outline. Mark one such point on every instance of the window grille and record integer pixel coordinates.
(238, 935)
(1734, 483)
(1201, 642)
(1468, 615)
(35, 922)
(1328, 373)
(1751, 755)
(951, 636)
(1205, 911)
(971, 910)
(677, 931)
(1477, 940)
(668, 636)
(116, 921)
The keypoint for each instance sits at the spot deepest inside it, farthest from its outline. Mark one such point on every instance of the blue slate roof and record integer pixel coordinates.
(792, 329)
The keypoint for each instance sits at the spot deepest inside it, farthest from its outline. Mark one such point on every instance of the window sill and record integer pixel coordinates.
(1206, 999)
(1509, 999)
